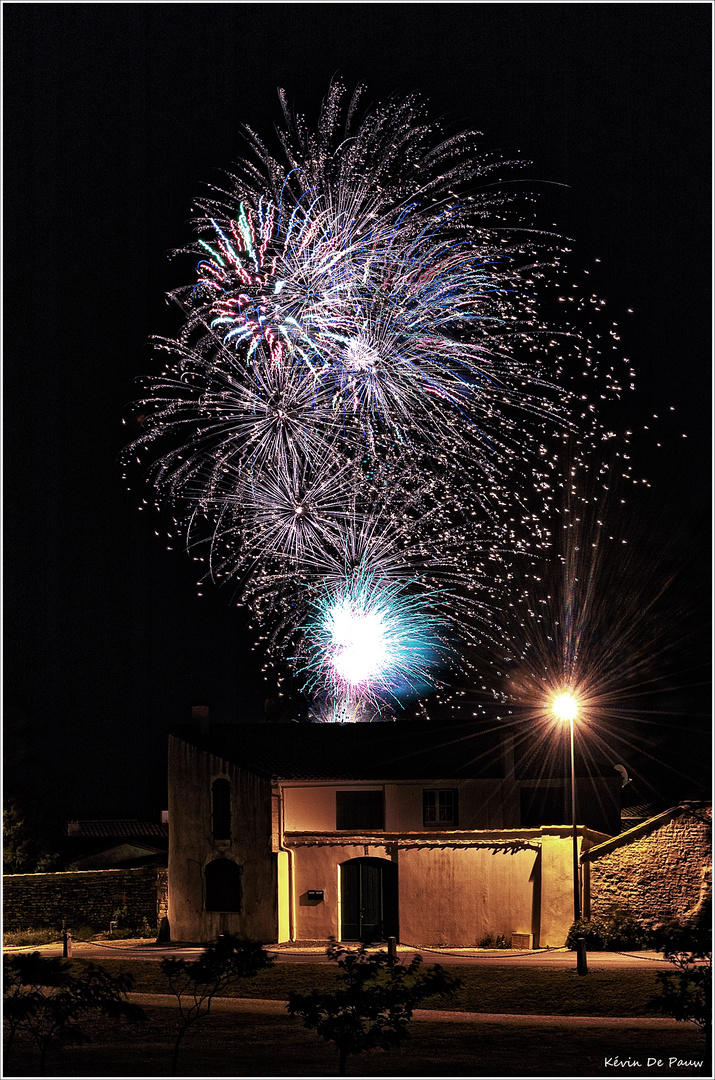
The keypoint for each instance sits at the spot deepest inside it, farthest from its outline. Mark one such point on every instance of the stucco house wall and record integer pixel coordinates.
(317, 866)
(454, 888)
(192, 847)
(483, 804)
(662, 866)
(457, 893)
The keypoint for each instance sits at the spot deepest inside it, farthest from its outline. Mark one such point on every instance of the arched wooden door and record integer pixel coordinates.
(369, 908)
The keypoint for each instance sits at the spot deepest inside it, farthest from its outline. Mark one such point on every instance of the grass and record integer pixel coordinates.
(44, 935)
(493, 989)
(260, 1045)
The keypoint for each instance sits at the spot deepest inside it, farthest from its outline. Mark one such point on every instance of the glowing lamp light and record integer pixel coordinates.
(360, 650)
(565, 706)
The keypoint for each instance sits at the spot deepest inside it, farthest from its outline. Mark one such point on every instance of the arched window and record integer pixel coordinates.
(223, 886)
(221, 809)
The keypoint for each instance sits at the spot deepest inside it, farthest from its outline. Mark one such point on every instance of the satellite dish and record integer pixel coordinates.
(625, 778)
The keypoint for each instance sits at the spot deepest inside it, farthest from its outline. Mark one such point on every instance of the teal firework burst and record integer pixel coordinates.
(370, 638)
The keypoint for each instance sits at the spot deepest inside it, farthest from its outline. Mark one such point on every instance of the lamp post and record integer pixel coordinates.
(565, 707)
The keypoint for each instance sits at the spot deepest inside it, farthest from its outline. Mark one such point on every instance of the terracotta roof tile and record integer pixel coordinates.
(124, 827)
(401, 750)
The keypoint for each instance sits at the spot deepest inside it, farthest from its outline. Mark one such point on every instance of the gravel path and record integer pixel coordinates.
(277, 1008)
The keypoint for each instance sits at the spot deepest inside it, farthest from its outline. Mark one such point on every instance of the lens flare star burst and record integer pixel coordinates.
(565, 706)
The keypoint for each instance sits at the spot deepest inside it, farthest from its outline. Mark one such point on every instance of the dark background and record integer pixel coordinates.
(116, 115)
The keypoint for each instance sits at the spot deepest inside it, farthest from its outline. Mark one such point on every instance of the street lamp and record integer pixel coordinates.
(565, 708)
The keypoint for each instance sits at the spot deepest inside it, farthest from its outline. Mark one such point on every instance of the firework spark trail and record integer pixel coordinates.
(364, 388)
(234, 419)
(598, 614)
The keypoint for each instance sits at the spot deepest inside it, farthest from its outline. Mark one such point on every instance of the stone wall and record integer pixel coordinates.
(162, 895)
(83, 897)
(663, 865)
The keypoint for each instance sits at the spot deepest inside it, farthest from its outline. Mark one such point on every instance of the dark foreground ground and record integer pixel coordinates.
(243, 1038)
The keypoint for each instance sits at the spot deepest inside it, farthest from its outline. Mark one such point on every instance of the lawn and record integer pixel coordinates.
(238, 1045)
(244, 1044)
(492, 989)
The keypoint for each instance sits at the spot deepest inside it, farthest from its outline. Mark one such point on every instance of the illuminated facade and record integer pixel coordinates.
(291, 832)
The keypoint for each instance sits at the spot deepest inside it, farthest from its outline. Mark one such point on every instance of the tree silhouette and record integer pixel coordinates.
(47, 999)
(196, 982)
(375, 1003)
(686, 993)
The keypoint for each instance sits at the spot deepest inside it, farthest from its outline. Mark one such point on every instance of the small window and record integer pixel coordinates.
(439, 806)
(221, 809)
(223, 886)
(359, 810)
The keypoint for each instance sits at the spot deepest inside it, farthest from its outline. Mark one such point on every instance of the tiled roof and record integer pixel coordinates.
(642, 811)
(542, 751)
(696, 808)
(405, 750)
(125, 827)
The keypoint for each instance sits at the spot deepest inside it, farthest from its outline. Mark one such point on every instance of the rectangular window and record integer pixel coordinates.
(439, 806)
(359, 810)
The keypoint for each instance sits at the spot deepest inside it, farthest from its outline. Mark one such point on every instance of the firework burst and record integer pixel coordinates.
(371, 640)
(355, 420)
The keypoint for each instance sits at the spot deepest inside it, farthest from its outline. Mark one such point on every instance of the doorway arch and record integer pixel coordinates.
(369, 900)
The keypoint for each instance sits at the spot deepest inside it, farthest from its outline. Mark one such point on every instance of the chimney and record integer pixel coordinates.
(200, 716)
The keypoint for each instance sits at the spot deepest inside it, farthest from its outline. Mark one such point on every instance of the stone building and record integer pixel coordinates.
(123, 844)
(662, 866)
(438, 835)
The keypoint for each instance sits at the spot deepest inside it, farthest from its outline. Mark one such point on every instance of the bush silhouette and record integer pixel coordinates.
(47, 999)
(375, 1003)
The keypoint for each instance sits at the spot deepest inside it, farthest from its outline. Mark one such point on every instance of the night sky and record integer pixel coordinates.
(116, 116)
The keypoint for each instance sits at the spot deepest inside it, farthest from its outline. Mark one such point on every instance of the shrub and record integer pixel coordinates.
(618, 928)
(195, 983)
(48, 1000)
(686, 993)
(129, 926)
(622, 930)
(498, 942)
(667, 934)
(590, 929)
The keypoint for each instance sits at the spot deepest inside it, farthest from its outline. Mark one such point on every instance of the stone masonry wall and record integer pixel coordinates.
(162, 894)
(666, 870)
(82, 897)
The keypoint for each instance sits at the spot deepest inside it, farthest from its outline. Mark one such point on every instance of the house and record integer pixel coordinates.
(119, 845)
(438, 835)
